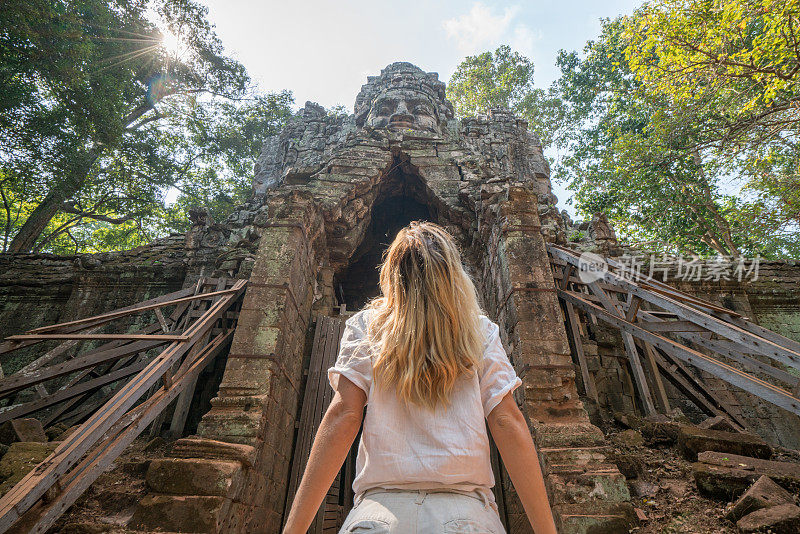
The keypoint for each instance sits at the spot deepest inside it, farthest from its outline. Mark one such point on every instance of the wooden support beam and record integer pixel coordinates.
(184, 402)
(21, 410)
(162, 320)
(728, 349)
(575, 336)
(102, 457)
(633, 308)
(750, 342)
(19, 381)
(98, 337)
(639, 378)
(34, 485)
(688, 387)
(741, 379)
(671, 326)
(106, 317)
(661, 392)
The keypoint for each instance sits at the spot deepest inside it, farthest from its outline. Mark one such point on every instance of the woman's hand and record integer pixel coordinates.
(334, 438)
(514, 441)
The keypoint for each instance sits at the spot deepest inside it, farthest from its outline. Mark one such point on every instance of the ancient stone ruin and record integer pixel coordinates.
(329, 193)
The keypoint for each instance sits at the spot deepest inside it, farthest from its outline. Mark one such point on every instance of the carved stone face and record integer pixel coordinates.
(404, 109)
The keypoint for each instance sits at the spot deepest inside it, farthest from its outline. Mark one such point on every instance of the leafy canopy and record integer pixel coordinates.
(99, 121)
(503, 79)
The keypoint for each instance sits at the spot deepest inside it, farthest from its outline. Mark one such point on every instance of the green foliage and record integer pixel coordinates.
(730, 71)
(490, 80)
(504, 79)
(639, 156)
(99, 120)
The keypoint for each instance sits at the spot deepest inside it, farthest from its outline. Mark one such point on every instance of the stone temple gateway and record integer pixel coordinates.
(329, 193)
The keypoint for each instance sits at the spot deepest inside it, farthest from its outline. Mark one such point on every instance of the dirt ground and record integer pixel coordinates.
(109, 503)
(665, 492)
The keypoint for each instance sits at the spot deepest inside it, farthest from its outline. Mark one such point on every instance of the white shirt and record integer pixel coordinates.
(410, 447)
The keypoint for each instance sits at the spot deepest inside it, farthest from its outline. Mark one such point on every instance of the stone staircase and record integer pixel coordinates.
(588, 492)
(109, 504)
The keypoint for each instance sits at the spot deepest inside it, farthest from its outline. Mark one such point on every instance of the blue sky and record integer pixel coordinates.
(323, 51)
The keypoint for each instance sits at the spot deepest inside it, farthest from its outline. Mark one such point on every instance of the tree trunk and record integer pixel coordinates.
(36, 223)
(41, 216)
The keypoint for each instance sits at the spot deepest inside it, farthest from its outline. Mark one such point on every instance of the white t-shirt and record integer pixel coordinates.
(410, 447)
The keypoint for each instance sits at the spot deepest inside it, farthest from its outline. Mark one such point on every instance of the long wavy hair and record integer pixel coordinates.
(425, 326)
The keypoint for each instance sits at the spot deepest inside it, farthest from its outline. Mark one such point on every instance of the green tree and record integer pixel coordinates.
(99, 119)
(504, 79)
(638, 157)
(732, 68)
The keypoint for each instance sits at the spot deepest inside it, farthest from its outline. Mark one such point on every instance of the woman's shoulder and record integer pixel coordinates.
(487, 325)
(360, 319)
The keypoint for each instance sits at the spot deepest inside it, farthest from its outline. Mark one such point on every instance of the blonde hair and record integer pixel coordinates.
(425, 327)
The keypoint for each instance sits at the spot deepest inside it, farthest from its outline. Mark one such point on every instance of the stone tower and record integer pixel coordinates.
(329, 193)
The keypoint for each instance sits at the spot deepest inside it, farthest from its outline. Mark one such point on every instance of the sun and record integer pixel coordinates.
(171, 43)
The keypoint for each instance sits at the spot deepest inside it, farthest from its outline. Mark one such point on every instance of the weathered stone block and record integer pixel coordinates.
(192, 476)
(717, 423)
(27, 429)
(764, 493)
(727, 476)
(693, 440)
(781, 519)
(177, 513)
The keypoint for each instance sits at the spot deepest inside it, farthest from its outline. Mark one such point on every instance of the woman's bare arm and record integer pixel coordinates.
(336, 433)
(513, 438)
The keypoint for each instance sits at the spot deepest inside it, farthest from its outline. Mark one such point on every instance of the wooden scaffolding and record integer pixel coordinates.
(665, 329)
(117, 389)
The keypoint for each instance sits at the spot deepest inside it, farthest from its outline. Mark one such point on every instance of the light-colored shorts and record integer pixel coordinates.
(384, 511)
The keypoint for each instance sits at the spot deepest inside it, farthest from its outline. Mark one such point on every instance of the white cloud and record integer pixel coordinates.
(522, 39)
(481, 29)
(474, 31)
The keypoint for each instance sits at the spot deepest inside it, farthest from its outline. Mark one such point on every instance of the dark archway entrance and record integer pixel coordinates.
(359, 282)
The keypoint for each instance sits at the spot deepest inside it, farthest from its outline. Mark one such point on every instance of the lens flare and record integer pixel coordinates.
(171, 43)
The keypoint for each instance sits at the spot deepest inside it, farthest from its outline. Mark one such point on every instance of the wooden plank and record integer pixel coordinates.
(661, 392)
(729, 349)
(673, 374)
(741, 379)
(17, 381)
(575, 336)
(95, 337)
(331, 341)
(10, 346)
(305, 410)
(162, 320)
(671, 326)
(64, 394)
(633, 308)
(108, 451)
(23, 495)
(639, 378)
(55, 414)
(184, 401)
(131, 310)
(749, 341)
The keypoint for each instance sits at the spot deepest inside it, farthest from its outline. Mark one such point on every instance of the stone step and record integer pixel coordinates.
(595, 518)
(727, 476)
(570, 435)
(177, 513)
(118, 500)
(575, 455)
(600, 482)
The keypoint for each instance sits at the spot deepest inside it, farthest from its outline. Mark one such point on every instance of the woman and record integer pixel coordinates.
(429, 367)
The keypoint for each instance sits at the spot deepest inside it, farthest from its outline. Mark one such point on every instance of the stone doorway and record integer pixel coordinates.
(358, 283)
